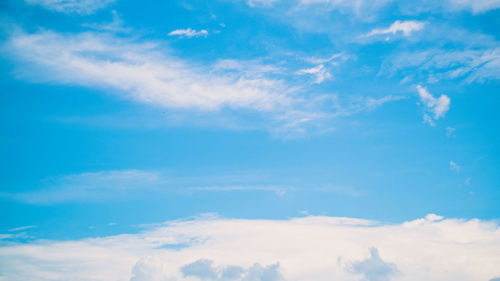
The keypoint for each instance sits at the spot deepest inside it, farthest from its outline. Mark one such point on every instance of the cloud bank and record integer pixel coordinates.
(308, 248)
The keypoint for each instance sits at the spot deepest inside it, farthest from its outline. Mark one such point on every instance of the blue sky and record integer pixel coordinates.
(120, 113)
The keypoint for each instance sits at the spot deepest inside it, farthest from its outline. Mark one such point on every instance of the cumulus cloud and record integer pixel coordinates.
(83, 7)
(406, 27)
(374, 268)
(308, 248)
(188, 33)
(205, 270)
(437, 106)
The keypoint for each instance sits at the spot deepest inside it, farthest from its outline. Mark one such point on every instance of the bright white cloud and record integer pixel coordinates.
(437, 106)
(188, 33)
(83, 7)
(310, 248)
(320, 72)
(406, 27)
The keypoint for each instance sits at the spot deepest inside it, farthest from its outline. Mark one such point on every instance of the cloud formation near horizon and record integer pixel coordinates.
(308, 248)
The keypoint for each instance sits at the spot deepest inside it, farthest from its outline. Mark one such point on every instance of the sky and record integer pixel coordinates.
(221, 140)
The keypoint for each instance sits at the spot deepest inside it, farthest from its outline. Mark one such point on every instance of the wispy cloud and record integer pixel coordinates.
(188, 33)
(454, 166)
(116, 25)
(319, 72)
(433, 65)
(363, 6)
(139, 72)
(145, 72)
(310, 248)
(450, 131)
(83, 7)
(476, 6)
(92, 186)
(405, 27)
(276, 189)
(21, 228)
(261, 3)
(126, 185)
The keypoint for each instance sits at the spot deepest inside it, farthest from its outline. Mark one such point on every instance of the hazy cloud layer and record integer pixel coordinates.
(83, 7)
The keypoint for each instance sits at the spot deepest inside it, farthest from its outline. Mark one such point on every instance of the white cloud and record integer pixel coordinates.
(310, 248)
(406, 27)
(83, 7)
(147, 73)
(139, 72)
(454, 166)
(320, 72)
(437, 106)
(188, 33)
